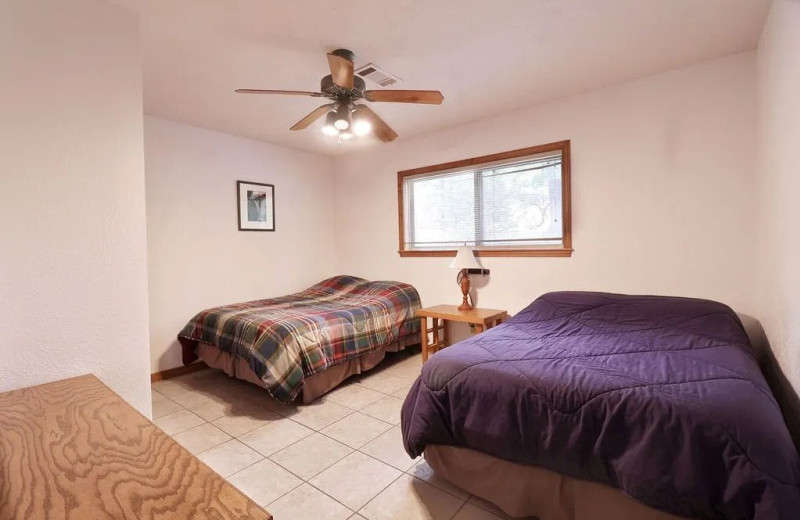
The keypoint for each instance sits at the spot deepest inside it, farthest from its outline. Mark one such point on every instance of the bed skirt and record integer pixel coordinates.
(524, 491)
(314, 386)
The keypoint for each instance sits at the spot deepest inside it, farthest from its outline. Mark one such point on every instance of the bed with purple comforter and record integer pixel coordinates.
(660, 397)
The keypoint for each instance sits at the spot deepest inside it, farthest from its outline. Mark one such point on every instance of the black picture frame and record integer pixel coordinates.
(255, 206)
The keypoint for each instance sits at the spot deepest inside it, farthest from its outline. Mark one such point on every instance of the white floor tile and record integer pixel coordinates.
(408, 369)
(388, 448)
(354, 480)
(163, 405)
(275, 436)
(354, 396)
(264, 482)
(307, 503)
(170, 387)
(402, 393)
(244, 418)
(230, 457)
(207, 406)
(356, 430)
(408, 498)
(201, 438)
(320, 413)
(311, 455)
(387, 409)
(179, 385)
(383, 382)
(178, 422)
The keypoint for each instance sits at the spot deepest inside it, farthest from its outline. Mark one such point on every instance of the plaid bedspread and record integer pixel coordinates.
(288, 338)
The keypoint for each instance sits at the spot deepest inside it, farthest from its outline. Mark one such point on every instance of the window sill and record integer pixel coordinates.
(551, 252)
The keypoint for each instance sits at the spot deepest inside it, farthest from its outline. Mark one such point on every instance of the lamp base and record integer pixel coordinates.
(465, 283)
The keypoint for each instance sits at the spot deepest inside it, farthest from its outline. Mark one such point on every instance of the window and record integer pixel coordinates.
(508, 204)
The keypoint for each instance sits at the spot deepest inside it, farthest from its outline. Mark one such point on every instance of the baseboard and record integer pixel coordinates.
(177, 371)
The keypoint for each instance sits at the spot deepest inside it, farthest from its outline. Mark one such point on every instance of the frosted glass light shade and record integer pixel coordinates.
(465, 259)
(361, 127)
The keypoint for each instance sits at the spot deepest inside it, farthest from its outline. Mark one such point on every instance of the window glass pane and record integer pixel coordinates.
(442, 210)
(521, 205)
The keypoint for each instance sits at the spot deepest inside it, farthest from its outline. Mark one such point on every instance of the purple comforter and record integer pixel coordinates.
(660, 397)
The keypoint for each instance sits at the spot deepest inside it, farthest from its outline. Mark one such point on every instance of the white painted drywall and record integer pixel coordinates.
(197, 256)
(779, 184)
(663, 192)
(73, 278)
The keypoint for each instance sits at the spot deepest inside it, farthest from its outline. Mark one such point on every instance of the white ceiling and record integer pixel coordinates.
(487, 57)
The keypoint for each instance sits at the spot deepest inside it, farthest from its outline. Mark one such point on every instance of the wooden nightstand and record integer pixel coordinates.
(482, 318)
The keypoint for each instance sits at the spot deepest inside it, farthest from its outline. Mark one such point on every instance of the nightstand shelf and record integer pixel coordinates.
(440, 314)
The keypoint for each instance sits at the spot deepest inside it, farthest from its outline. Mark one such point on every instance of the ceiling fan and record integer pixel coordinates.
(344, 118)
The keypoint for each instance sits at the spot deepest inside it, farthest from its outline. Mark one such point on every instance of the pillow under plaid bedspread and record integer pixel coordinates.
(288, 338)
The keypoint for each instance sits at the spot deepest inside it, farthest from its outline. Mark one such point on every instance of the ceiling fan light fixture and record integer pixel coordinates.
(341, 117)
(345, 135)
(361, 127)
(329, 127)
(342, 123)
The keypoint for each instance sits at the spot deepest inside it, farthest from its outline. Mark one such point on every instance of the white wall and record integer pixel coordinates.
(197, 256)
(73, 279)
(779, 184)
(663, 192)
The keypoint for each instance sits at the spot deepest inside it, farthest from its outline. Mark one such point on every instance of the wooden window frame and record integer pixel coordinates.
(564, 251)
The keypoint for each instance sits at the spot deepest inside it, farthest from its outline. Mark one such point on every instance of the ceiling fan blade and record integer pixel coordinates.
(287, 92)
(313, 116)
(379, 127)
(428, 97)
(341, 70)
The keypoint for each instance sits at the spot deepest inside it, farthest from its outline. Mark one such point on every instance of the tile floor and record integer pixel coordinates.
(339, 458)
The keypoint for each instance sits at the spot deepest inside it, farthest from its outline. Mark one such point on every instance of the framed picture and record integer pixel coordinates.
(256, 205)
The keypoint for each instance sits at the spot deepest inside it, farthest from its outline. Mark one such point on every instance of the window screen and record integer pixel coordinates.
(508, 204)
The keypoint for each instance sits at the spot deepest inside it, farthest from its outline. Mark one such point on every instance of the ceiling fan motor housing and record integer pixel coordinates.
(329, 88)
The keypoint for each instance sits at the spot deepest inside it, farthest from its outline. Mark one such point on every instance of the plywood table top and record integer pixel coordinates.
(74, 450)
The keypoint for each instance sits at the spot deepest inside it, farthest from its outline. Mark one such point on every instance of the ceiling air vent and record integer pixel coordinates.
(377, 75)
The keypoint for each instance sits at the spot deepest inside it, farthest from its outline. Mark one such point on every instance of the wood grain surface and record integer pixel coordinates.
(74, 450)
(476, 316)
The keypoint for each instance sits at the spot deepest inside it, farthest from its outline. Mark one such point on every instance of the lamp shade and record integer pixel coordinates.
(465, 259)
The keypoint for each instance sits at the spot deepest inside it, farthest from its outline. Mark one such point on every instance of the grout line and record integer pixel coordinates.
(295, 474)
(173, 434)
(315, 474)
(244, 468)
(459, 509)
(379, 492)
(332, 498)
(280, 497)
(372, 439)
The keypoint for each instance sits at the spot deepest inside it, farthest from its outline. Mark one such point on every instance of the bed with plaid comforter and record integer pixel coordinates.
(286, 339)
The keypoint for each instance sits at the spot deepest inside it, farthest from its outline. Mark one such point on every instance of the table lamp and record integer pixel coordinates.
(465, 259)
